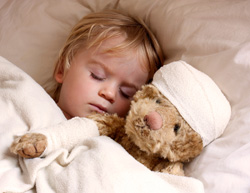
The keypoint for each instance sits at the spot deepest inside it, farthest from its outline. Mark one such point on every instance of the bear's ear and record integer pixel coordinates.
(147, 91)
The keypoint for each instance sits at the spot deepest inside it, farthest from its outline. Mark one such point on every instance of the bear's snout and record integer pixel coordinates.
(153, 120)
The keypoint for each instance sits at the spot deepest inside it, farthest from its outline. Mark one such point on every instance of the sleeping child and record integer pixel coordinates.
(106, 59)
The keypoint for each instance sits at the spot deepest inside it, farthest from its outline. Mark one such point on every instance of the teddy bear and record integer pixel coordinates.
(169, 123)
(154, 132)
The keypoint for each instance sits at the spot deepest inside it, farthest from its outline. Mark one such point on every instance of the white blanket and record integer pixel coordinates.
(96, 164)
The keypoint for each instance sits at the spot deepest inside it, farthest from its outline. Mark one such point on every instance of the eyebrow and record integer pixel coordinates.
(106, 68)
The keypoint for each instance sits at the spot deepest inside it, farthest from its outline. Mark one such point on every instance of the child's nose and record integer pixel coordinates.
(109, 93)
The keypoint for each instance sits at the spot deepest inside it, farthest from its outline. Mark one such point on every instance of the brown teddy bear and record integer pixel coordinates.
(154, 132)
(169, 122)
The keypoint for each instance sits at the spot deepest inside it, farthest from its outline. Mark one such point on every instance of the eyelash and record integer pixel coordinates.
(124, 95)
(96, 77)
(101, 79)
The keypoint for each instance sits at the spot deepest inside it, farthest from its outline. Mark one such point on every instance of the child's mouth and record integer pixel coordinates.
(98, 108)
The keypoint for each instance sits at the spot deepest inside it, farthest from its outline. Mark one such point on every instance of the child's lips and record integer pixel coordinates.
(98, 108)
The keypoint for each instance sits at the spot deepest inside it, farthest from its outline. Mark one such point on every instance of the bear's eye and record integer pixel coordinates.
(176, 128)
(158, 101)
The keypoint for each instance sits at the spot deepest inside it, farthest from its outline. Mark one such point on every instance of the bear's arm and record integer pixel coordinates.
(67, 134)
(108, 124)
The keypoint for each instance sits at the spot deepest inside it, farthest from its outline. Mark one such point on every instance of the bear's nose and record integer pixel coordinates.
(153, 120)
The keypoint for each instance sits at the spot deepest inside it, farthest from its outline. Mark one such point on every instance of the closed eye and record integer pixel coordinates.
(127, 92)
(125, 95)
(96, 77)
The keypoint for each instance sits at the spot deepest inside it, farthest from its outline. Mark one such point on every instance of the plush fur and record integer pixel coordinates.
(154, 133)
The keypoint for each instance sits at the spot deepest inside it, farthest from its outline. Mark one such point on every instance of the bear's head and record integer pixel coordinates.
(177, 115)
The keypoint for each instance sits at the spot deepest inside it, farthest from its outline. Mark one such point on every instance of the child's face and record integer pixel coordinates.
(100, 82)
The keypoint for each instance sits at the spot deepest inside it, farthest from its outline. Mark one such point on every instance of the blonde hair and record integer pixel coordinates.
(96, 27)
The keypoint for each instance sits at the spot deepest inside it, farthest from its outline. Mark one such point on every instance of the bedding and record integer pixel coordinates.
(96, 163)
(213, 36)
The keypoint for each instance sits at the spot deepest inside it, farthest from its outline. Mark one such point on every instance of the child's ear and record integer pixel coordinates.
(59, 75)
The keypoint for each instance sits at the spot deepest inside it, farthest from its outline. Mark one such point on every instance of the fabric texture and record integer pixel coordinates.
(197, 98)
